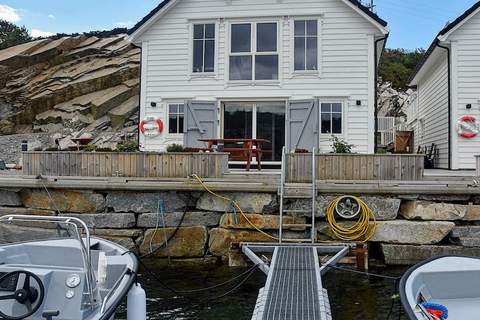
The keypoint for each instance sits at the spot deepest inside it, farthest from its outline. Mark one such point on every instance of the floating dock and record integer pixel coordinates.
(294, 289)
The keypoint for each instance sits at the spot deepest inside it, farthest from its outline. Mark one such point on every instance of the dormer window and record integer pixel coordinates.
(254, 51)
(204, 48)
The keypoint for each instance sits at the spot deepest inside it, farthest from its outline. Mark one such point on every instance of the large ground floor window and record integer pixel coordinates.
(257, 120)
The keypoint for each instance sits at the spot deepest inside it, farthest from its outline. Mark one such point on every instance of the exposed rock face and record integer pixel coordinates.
(64, 86)
(222, 239)
(391, 101)
(250, 202)
(9, 198)
(65, 201)
(150, 220)
(106, 220)
(264, 222)
(407, 232)
(407, 255)
(145, 202)
(187, 242)
(424, 210)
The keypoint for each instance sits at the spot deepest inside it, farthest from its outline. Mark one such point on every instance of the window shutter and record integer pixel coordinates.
(200, 122)
(302, 125)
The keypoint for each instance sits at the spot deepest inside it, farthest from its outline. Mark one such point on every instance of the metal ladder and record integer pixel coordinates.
(311, 194)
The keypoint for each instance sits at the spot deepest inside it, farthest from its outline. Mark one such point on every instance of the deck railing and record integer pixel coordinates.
(111, 164)
(354, 167)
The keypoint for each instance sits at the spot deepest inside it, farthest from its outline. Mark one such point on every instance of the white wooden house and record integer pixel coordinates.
(445, 109)
(294, 72)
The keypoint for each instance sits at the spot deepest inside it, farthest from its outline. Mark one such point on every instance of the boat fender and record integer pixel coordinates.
(437, 310)
(136, 303)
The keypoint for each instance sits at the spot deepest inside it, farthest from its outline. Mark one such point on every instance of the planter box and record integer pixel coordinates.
(111, 164)
(354, 167)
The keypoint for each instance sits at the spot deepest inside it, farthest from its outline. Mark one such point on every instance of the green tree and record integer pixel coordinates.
(397, 66)
(12, 35)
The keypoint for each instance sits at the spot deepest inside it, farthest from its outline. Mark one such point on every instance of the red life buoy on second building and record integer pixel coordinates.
(468, 127)
(151, 127)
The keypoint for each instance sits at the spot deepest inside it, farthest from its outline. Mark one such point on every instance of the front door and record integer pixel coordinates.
(257, 120)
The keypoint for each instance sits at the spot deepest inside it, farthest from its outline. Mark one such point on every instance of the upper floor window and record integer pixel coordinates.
(331, 116)
(175, 118)
(306, 45)
(254, 51)
(203, 47)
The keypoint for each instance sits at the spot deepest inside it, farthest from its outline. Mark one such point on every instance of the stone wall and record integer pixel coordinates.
(197, 224)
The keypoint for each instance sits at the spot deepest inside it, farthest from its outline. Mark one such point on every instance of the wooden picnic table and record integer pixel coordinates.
(249, 148)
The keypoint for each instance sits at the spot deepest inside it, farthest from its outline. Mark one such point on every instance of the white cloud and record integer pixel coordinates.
(51, 16)
(126, 24)
(41, 34)
(9, 14)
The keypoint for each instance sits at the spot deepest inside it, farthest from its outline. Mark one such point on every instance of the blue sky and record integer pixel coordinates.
(413, 23)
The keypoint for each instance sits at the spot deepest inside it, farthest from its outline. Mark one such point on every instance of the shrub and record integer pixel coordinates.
(90, 148)
(175, 148)
(127, 146)
(341, 146)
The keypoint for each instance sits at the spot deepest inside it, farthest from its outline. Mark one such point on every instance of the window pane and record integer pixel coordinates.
(266, 67)
(241, 38)
(173, 124)
(312, 27)
(209, 31)
(266, 37)
(241, 68)
(180, 124)
(337, 123)
(312, 54)
(337, 107)
(300, 27)
(197, 55)
(326, 123)
(326, 107)
(238, 121)
(181, 108)
(198, 31)
(299, 53)
(173, 108)
(209, 56)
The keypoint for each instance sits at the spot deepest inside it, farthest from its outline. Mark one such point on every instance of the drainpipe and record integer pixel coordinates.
(449, 62)
(376, 87)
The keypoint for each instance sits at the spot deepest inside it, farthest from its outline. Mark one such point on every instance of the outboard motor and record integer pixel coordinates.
(136, 303)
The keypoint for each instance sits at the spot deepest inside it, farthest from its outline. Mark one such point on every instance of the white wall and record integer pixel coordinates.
(466, 88)
(346, 61)
(431, 125)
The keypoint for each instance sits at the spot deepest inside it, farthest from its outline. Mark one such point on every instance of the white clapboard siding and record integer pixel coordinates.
(432, 114)
(346, 61)
(466, 50)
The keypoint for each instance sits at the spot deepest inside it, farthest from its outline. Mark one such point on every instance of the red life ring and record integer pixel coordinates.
(468, 127)
(151, 127)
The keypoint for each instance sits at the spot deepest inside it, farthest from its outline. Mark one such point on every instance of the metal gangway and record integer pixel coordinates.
(294, 289)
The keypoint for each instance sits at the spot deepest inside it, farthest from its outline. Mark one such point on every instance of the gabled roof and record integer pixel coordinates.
(164, 3)
(441, 36)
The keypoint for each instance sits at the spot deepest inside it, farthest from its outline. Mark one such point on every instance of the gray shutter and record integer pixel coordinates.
(302, 125)
(200, 122)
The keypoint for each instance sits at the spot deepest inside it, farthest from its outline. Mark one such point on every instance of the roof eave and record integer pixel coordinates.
(381, 24)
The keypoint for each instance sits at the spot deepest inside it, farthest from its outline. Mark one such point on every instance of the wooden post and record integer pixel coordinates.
(362, 257)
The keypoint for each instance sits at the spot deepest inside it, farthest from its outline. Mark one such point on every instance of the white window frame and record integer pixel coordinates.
(344, 105)
(167, 117)
(316, 73)
(214, 74)
(253, 50)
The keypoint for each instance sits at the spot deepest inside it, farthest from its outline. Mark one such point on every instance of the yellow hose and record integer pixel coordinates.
(235, 204)
(361, 231)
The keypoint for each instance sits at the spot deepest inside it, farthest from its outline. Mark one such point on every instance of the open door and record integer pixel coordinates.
(302, 125)
(200, 122)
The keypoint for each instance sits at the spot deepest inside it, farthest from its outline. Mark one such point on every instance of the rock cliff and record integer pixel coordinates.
(70, 87)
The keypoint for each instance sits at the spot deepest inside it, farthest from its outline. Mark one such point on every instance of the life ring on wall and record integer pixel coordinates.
(468, 127)
(151, 127)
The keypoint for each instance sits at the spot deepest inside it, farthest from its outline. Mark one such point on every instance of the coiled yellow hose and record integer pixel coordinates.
(362, 231)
